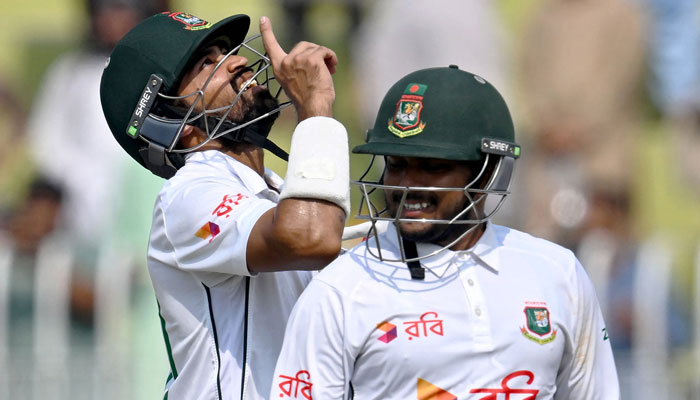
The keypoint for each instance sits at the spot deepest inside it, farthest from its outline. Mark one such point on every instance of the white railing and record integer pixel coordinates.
(650, 331)
(106, 369)
(5, 266)
(650, 369)
(52, 296)
(56, 366)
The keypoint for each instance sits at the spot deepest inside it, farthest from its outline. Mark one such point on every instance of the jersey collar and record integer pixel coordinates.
(484, 253)
(248, 177)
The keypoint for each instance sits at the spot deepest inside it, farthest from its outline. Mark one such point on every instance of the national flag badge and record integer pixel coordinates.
(538, 326)
(191, 22)
(407, 118)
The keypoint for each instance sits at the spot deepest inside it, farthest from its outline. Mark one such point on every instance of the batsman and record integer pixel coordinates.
(232, 244)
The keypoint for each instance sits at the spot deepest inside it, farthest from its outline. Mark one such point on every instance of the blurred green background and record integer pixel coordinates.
(36, 32)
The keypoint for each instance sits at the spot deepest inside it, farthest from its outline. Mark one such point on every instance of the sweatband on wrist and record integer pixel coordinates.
(319, 163)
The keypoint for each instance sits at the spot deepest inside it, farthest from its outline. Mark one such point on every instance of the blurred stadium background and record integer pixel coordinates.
(610, 168)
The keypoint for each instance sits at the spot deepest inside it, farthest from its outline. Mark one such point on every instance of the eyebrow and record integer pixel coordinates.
(204, 52)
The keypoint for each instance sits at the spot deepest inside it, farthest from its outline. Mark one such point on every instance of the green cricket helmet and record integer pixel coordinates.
(442, 113)
(139, 87)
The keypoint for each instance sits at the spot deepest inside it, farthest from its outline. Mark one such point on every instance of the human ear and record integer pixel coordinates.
(187, 130)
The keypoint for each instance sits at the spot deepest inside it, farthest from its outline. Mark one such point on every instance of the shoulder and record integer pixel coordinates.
(533, 249)
(346, 273)
(198, 180)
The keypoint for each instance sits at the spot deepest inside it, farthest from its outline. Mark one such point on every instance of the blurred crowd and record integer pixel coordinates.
(593, 84)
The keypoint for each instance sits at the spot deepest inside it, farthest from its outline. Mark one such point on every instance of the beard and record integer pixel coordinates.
(249, 108)
(436, 233)
(264, 103)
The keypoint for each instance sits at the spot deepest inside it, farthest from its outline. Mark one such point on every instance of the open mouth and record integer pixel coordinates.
(415, 207)
(245, 85)
(243, 80)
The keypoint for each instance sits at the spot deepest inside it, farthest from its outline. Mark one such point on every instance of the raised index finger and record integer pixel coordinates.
(273, 49)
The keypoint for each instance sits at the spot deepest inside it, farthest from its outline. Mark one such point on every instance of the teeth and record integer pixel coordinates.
(250, 85)
(416, 206)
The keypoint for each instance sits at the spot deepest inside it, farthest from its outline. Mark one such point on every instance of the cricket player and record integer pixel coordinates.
(439, 302)
(231, 242)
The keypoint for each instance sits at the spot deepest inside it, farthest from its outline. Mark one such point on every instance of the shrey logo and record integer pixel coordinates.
(406, 121)
(538, 322)
(390, 330)
(427, 391)
(191, 22)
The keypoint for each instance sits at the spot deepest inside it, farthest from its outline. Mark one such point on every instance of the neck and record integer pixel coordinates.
(247, 154)
(251, 156)
(474, 233)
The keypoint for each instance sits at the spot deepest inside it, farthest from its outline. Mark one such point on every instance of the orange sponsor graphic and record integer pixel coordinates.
(428, 391)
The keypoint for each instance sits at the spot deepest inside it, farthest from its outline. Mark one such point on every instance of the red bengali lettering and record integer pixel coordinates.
(226, 205)
(435, 325)
(292, 386)
(507, 390)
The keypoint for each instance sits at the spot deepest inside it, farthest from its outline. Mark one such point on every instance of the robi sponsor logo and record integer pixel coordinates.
(293, 386)
(492, 393)
(427, 325)
(390, 330)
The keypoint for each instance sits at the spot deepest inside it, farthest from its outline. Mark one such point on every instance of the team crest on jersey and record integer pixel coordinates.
(191, 22)
(538, 325)
(407, 118)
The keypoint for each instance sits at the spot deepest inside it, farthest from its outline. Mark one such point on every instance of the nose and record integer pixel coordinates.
(404, 177)
(233, 62)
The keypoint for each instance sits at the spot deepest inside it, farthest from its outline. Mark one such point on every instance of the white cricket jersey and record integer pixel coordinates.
(515, 317)
(222, 326)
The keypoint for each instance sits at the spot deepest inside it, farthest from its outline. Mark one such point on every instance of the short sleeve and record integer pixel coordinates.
(588, 369)
(313, 362)
(206, 227)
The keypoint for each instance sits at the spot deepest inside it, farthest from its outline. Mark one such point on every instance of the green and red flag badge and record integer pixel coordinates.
(538, 327)
(406, 120)
(191, 22)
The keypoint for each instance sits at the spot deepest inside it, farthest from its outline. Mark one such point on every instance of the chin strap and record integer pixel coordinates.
(411, 251)
(250, 134)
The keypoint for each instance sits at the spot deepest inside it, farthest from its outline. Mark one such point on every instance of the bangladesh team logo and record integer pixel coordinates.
(191, 22)
(538, 325)
(406, 120)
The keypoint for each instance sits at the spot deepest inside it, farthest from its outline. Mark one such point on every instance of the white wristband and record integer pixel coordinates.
(319, 163)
